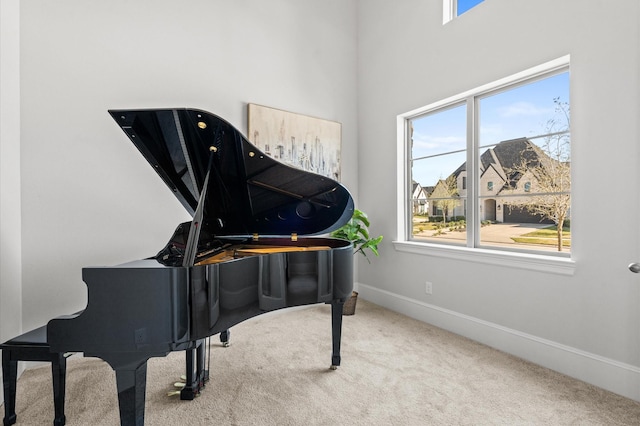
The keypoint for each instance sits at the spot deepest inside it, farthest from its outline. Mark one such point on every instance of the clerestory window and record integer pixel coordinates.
(463, 6)
(455, 8)
(495, 165)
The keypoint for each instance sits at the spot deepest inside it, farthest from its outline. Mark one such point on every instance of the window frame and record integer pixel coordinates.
(547, 262)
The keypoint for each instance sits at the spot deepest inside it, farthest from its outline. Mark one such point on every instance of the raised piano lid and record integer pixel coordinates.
(249, 192)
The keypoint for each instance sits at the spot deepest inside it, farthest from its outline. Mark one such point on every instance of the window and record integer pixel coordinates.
(464, 5)
(495, 166)
(455, 8)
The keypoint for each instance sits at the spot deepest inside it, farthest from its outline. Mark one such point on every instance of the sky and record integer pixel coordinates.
(520, 112)
(464, 5)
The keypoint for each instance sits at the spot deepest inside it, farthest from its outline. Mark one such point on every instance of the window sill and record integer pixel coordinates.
(532, 262)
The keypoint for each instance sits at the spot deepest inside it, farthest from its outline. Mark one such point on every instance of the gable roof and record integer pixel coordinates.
(505, 157)
(511, 153)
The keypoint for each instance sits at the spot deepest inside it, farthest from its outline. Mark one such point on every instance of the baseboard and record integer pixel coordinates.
(609, 374)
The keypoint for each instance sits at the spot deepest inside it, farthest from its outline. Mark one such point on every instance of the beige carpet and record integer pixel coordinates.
(395, 371)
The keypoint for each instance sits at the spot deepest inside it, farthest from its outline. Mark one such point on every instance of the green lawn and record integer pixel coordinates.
(546, 236)
(423, 226)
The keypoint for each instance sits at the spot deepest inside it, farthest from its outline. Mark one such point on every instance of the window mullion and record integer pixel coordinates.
(405, 196)
(472, 175)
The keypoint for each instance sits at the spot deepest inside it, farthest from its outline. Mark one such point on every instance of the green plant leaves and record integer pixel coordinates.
(357, 231)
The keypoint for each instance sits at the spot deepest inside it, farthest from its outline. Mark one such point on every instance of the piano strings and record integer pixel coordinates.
(240, 251)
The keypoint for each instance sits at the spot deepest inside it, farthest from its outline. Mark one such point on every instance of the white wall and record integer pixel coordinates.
(10, 241)
(88, 196)
(586, 325)
(10, 246)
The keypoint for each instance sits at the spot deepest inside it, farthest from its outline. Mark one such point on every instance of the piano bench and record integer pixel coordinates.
(31, 346)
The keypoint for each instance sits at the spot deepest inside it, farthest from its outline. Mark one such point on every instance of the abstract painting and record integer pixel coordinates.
(309, 143)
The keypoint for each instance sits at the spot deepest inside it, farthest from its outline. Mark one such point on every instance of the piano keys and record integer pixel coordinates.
(252, 247)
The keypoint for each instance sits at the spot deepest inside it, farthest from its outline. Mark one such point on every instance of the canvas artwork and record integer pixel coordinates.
(309, 143)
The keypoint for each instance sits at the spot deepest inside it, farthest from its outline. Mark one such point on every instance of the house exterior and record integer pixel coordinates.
(420, 199)
(503, 185)
(448, 198)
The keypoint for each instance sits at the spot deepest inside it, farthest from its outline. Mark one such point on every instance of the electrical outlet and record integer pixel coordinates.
(428, 287)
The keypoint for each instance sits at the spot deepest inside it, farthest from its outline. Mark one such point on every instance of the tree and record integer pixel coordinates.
(548, 172)
(446, 196)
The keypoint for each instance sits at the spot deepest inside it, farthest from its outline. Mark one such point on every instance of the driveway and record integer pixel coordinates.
(497, 234)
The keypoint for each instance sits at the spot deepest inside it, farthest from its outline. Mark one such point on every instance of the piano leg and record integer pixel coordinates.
(58, 372)
(336, 331)
(9, 377)
(132, 385)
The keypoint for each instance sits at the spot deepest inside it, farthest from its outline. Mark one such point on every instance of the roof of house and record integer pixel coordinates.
(510, 153)
(505, 157)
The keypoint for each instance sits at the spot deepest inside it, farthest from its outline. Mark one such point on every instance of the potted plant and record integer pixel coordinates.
(357, 231)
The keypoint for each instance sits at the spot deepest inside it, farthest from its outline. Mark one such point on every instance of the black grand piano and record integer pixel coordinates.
(247, 251)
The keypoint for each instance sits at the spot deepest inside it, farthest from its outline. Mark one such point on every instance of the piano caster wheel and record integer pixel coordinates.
(334, 367)
(225, 336)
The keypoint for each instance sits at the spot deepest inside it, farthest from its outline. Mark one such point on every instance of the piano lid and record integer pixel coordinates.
(248, 191)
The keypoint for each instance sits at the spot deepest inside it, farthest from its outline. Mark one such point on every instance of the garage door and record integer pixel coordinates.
(517, 214)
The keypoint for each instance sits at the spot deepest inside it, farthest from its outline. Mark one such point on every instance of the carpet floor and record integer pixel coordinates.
(395, 371)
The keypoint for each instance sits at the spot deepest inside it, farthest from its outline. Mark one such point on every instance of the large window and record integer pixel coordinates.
(491, 168)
